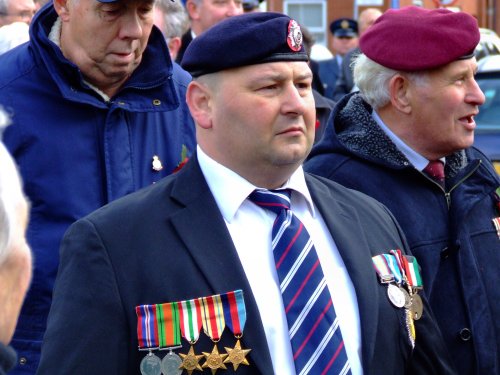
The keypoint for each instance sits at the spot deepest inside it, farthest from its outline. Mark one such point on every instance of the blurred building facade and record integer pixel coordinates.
(317, 14)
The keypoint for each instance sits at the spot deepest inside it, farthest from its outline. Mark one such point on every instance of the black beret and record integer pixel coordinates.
(413, 38)
(247, 39)
(344, 27)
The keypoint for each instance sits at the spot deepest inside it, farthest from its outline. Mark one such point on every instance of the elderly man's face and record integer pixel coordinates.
(105, 40)
(261, 120)
(210, 12)
(443, 109)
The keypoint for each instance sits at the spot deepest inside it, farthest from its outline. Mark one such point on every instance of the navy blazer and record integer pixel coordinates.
(169, 243)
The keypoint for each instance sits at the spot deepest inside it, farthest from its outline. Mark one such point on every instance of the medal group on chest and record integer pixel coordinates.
(160, 327)
(401, 274)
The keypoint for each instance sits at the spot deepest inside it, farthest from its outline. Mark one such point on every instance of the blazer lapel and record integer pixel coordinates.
(348, 235)
(203, 230)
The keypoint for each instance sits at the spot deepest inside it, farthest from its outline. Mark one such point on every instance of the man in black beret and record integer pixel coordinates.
(406, 139)
(274, 264)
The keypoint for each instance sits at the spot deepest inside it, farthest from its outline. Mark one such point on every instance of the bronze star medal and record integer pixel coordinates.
(237, 356)
(190, 361)
(214, 360)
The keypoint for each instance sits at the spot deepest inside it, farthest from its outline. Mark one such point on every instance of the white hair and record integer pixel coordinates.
(11, 194)
(372, 80)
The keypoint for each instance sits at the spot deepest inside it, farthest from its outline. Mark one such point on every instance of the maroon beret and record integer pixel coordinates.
(413, 38)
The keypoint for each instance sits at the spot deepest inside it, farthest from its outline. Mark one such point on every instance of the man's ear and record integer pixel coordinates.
(62, 9)
(198, 98)
(174, 45)
(400, 93)
(192, 9)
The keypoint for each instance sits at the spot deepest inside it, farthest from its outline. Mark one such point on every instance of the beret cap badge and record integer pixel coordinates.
(294, 36)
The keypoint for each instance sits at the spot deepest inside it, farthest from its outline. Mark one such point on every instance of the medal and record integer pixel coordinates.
(417, 307)
(169, 337)
(383, 271)
(396, 296)
(150, 365)
(213, 325)
(235, 316)
(214, 360)
(156, 164)
(407, 297)
(237, 356)
(158, 328)
(190, 361)
(171, 364)
(191, 323)
(147, 336)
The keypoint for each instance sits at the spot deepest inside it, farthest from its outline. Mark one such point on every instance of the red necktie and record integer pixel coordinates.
(435, 170)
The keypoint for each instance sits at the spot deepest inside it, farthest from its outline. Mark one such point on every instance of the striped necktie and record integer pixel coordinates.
(317, 344)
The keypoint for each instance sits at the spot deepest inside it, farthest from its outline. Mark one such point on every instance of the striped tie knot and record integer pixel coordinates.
(273, 200)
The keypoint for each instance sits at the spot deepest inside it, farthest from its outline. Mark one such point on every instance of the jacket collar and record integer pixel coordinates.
(219, 262)
(356, 130)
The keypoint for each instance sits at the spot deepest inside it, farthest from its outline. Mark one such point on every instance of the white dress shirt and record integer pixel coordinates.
(250, 228)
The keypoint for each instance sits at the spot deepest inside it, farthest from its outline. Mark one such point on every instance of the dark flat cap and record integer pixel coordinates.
(413, 38)
(247, 39)
(344, 27)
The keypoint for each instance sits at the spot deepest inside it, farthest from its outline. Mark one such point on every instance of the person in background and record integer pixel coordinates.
(206, 248)
(98, 111)
(15, 255)
(344, 38)
(251, 5)
(16, 11)
(406, 140)
(172, 19)
(203, 14)
(345, 83)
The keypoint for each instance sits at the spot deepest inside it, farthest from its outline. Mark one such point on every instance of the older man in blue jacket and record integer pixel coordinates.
(98, 111)
(406, 139)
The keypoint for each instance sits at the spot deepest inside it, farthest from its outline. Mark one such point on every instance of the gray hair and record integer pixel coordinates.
(372, 80)
(10, 193)
(175, 17)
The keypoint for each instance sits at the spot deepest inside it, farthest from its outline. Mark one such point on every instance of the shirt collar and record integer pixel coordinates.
(417, 160)
(230, 189)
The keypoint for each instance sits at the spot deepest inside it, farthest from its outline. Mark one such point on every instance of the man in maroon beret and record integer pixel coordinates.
(406, 139)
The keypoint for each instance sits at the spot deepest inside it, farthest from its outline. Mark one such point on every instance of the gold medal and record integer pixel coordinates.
(214, 360)
(237, 356)
(417, 307)
(190, 361)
